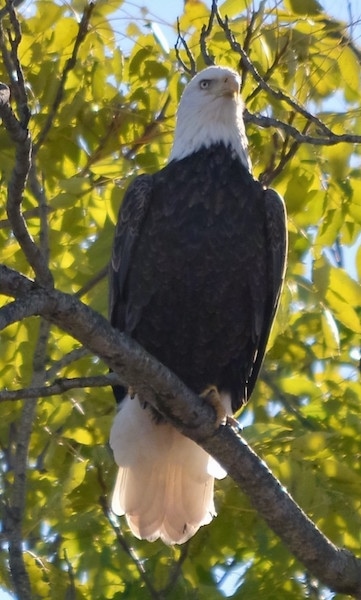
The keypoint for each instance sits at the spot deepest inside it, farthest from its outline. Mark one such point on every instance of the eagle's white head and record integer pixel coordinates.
(210, 111)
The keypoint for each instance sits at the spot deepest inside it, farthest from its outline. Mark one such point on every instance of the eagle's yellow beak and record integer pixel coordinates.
(230, 85)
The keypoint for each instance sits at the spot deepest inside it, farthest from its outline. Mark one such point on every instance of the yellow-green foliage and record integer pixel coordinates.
(304, 418)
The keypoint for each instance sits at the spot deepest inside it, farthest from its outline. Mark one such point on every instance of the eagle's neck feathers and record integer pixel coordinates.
(214, 122)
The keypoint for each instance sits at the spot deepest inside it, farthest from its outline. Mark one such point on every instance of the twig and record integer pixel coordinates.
(23, 150)
(246, 46)
(39, 194)
(20, 88)
(192, 70)
(205, 33)
(330, 140)
(278, 94)
(69, 65)
(7, 59)
(267, 75)
(4, 11)
(71, 589)
(287, 153)
(176, 571)
(123, 543)
(285, 399)
(60, 386)
(102, 274)
(67, 359)
(149, 132)
(27, 214)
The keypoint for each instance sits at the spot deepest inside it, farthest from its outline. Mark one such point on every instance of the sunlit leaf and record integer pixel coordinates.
(304, 415)
(303, 7)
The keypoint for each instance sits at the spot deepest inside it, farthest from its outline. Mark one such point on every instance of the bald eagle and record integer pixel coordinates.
(196, 271)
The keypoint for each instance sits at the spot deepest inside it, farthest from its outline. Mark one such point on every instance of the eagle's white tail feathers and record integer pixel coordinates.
(165, 481)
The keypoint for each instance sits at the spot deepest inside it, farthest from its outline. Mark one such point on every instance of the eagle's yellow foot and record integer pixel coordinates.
(212, 395)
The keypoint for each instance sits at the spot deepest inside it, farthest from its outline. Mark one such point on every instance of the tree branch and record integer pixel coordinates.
(192, 70)
(331, 140)
(23, 148)
(205, 33)
(278, 94)
(337, 568)
(67, 359)
(129, 551)
(15, 510)
(69, 65)
(60, 386)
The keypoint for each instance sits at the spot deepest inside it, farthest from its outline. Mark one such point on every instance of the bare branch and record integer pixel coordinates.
(206, 31)
(192, 70)
(176, 571)
(6, 56)
(331, 140)
(60, 386)
(69, 65)
(15, 510)
(286, 154)
(23, 149)
(20, 88)
(129, 551)
(150, 131)
(14, 312)
(278, 94)
(39, 193)
(66, 360)
(71, 589)
(5, 9)
(337, 568)
(27, 214)
(102, 274)
(246, 46)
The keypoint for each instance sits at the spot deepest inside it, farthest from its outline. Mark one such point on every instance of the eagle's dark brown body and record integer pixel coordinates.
(196, 273)
(197, 268)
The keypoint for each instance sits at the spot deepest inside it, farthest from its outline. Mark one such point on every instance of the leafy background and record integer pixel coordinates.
(304, 418)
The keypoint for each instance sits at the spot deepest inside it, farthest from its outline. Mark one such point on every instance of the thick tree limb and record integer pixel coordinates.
(335, 567)
(15, 508)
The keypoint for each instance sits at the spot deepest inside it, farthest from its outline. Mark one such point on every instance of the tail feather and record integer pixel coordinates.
(165, 481)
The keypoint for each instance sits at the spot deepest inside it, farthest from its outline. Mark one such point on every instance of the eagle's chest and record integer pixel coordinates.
(207, 219)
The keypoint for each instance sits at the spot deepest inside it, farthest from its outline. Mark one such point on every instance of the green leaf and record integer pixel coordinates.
(303, 7)
(75, 476)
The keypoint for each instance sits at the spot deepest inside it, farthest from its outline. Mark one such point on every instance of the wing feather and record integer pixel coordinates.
(130, 221)
(276, 235)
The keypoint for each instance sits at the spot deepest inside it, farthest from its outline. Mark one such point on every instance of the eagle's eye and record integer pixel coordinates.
(204, 84)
